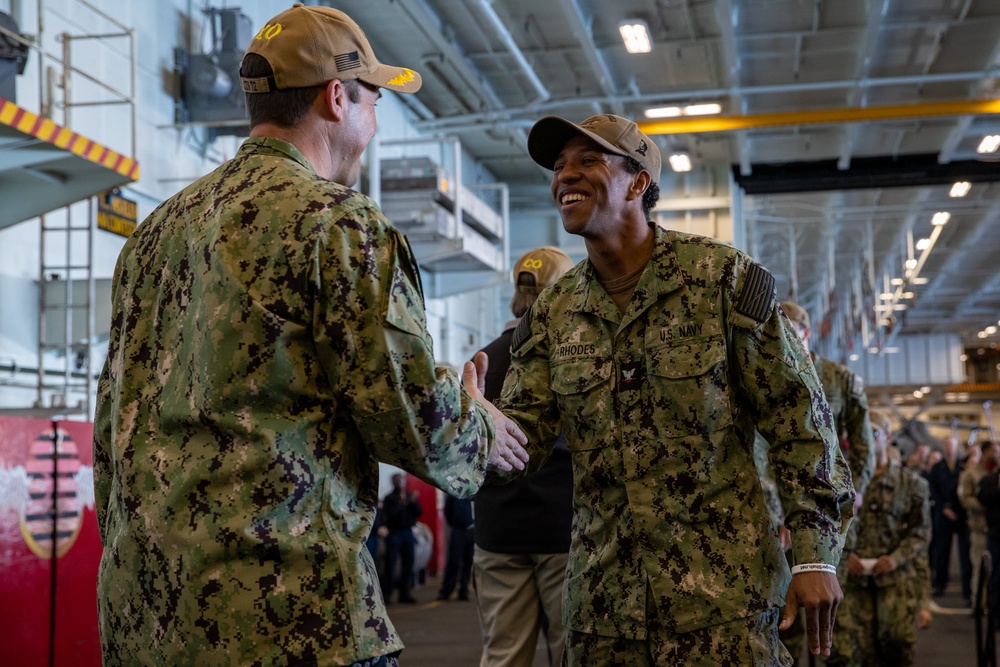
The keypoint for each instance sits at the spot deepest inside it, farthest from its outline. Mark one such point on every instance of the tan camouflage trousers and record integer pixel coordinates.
(746, 641)
(875, 627)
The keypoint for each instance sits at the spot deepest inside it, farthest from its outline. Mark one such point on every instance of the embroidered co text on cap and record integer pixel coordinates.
(309, 46)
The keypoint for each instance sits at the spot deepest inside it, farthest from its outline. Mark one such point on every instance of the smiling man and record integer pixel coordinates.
(658, 358)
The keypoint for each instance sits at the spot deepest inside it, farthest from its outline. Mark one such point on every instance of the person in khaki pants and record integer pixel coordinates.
(522, 529)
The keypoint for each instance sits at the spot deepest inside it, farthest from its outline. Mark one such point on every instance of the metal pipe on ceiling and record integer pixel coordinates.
(475, 121)
(580, 26)
(821, 116)
(542, 93)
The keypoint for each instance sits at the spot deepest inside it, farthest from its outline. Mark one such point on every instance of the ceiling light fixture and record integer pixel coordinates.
(680, 161)
(635, 33)
(941, 218)
(960, 189)
(702, 109)
(663, 112)
(923, 244)
(911, 263)
(689, 110)
(989, 144)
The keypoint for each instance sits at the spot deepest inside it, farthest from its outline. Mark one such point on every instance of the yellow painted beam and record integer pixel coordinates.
(819, 116)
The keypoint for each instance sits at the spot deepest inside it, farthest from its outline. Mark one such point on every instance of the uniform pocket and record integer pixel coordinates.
(689, 385)
(581, 388)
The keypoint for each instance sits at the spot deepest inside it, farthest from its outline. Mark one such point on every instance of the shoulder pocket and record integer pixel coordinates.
(405, 302)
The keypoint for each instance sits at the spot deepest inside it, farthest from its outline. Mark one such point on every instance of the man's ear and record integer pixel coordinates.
(335, 99)
(639, 184)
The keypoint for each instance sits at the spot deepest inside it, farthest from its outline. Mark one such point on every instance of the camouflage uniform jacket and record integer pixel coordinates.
(659, 407)
(894, 519)
(268, 347)
(845, 392)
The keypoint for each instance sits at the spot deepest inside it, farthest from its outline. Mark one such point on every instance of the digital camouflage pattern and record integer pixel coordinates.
(875, 622)
(752, 640)
(268, 347)
(659, 407)
(845, 392)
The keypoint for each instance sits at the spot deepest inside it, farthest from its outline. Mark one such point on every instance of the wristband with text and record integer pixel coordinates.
(814, 567)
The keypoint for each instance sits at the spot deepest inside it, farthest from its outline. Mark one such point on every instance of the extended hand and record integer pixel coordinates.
(819, 594)
(508, 447)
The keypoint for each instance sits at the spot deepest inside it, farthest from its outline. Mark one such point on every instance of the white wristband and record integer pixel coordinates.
(814, 567)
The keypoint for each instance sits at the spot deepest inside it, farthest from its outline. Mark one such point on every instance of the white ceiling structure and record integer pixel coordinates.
(844, 124)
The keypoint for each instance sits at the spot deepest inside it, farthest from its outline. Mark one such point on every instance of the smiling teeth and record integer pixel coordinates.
(572, 198)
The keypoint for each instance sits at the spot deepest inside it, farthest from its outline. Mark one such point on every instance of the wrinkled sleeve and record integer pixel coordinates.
(770, 487)
(527, 396)
(372, 340)
(861, 447)
(778, 384)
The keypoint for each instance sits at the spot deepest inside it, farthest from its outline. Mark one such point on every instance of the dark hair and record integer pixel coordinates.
(652, 193)
(288, 107)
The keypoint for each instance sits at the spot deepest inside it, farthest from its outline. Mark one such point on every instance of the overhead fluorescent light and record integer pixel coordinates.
(662, 112)
(990, 330)
(941, 218)
(911, 264)
(702, 109)
(989, 144)
(689, 110)
(635, 33)
(906, 295)
(960, 189)
(923, 244)
(680, 161)
(920, 281)
(896, 281)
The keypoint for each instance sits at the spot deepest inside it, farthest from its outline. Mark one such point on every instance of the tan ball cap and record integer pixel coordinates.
(309, 46)
(546, 264)
(796, 313)
(617, 135)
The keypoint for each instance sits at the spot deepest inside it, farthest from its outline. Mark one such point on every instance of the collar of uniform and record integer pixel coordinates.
(272, 146)
(663, 279)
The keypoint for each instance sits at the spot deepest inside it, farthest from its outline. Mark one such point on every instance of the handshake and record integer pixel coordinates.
(508, 451)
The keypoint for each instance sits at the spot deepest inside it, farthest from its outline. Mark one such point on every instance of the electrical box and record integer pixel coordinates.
(210, 92)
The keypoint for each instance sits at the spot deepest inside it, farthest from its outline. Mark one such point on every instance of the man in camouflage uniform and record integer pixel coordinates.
(658, 358)
(845, 393)
(268, 347)
(884, 568)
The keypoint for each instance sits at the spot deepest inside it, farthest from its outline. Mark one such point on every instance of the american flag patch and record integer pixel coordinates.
(757, 294)
(347, 61)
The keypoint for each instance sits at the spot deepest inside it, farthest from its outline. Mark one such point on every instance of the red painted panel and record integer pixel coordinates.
(24, 577)
(77, 639)
(432, 503)
(28, 457)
